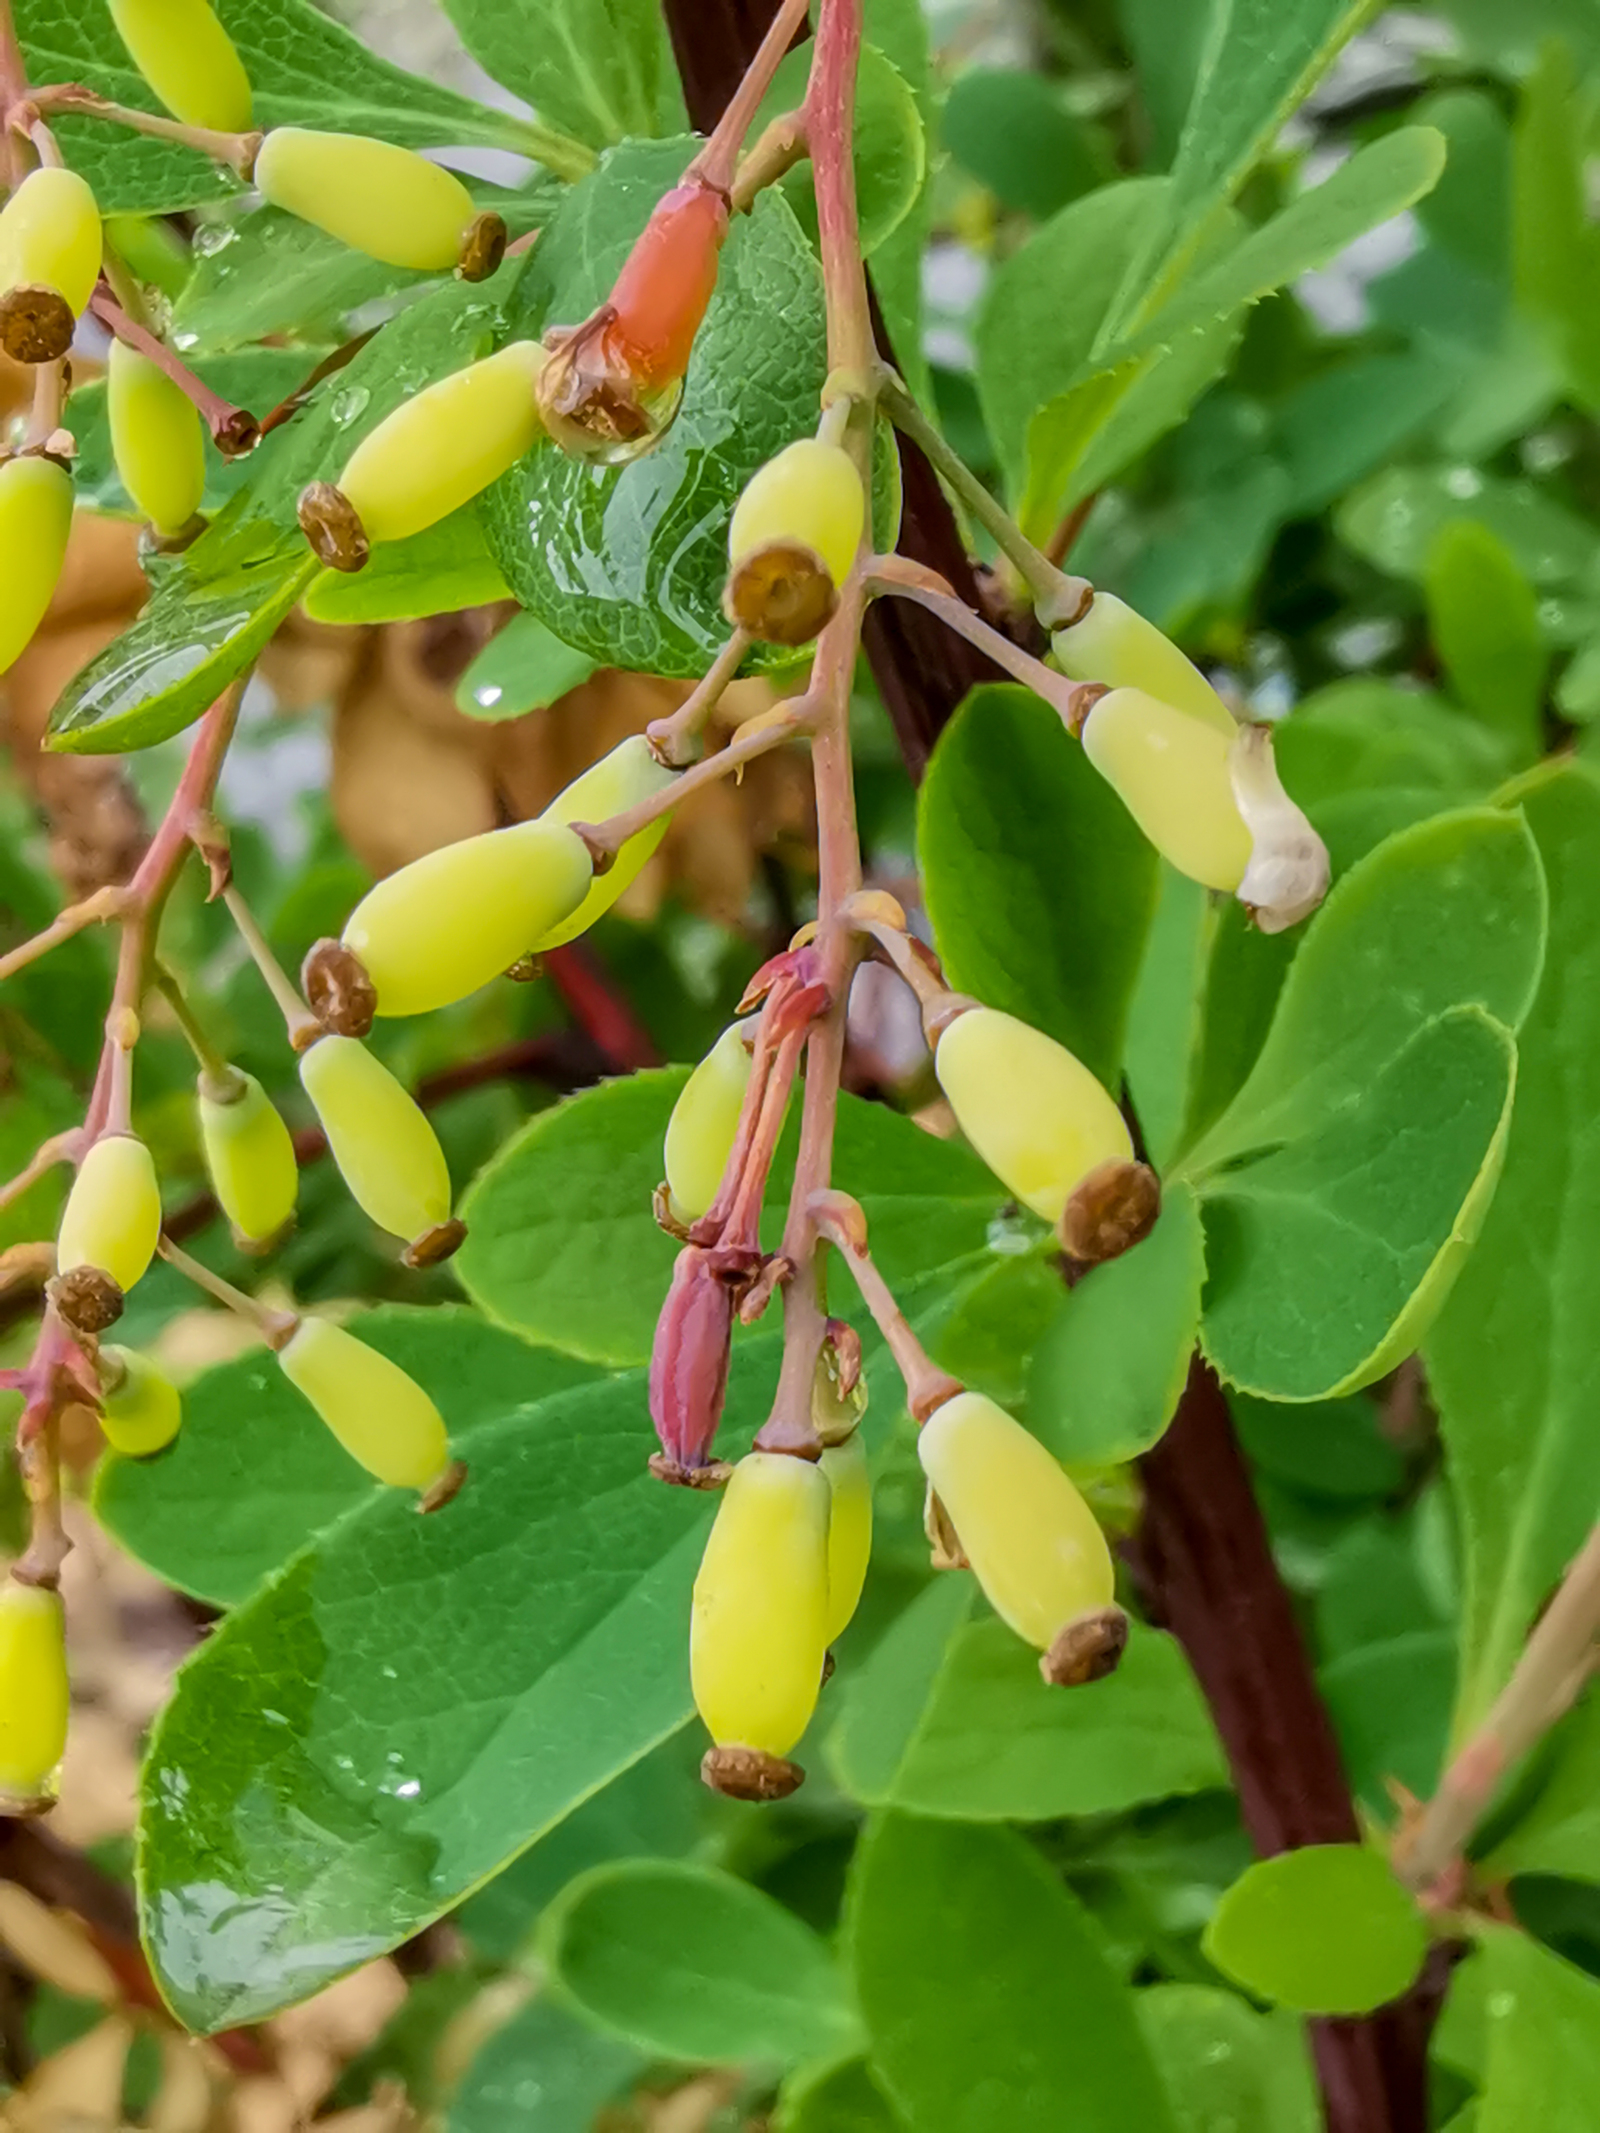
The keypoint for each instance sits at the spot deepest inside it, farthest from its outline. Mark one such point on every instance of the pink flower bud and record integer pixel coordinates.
(689, 1362)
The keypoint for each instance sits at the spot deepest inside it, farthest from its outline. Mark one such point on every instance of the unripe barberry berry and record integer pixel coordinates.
(1035, 1114)
(249, 1154)
(384, 1419)
(140, 1411)
(849, 1530)
(449, 922)
(632, 772)
(188, 58)
(1030, 1538)
(791, 542)
(1113, 643)
(35, 526)
(1172, 773)
(50, 251)
(436, 451)
(156, 438)
(704, 1121)
(759, 1634)
(387, 1153)
(34, 1693)
(388, 202)
(112, 1219)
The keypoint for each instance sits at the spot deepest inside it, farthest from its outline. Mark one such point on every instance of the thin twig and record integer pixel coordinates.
(783, 724)
(302, 1024)
(237, 150)
(76, 918)
(842, 1222)
(909, 581)
(715, 163)
(671, 736)
(234, 429)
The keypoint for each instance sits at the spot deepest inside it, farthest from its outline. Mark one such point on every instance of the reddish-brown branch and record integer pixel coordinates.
(599, 1008)
(234, 429)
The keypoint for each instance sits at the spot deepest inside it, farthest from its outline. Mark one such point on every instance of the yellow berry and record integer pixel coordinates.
(700, 1132)
(250, 1156)
(759, 1633)
(1171, 772)
(1031, 1539)
(1114, 644)
(35, 525)
(384, 1419)
(387, 1153)
(156, 438)
(188, 58)
(620, 780)
(849, 1530)
(139, 1407)
(112, 1219)
(50, 236)
(452, 920)
(809, 494)
(34, 1694)
(388, 202)
(1035, 1114)
(441, 447)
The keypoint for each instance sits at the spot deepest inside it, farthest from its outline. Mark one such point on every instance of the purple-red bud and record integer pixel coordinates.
(689, 1362)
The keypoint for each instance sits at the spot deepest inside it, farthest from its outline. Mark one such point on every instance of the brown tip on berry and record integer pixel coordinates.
(666, 1217)
(333, 527)
(261, 1247)
(445, 1489)
(36, 324)
(1080, 702)
(781, 593)
(749, 1774)
(86, 1300)
(715, 1474)
(483, 247)
(525, 969)
(236, 433)
(338, 990)
(830, 1667)
(1090, 1647)
(15, 1807)
(1113, 1209)
(435, 1245)
(945, 1551)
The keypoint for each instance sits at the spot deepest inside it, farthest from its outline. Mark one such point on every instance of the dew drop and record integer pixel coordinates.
(490, 693)
(1464, 482)
(350, 403)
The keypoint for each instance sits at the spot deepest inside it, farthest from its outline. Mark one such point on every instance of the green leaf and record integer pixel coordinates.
(1088, 432)
(1259, 63)
(1543, 2061)
(1390, 1706)
(628, 563)
(590, 66)
(411, 1701)
(1227, 2068)
(1484, 617)
(1012, 131)
(216, 605)
(840, 2099)
(1363, 736)
(254, 1473)
(689, 1963)
(1326, 1930)
(1559, 1833)
(986, 1740)
(985, 1991)
(1448, 914)
(1512, 1363)
(1394, 519)
(1164, 1021)
(305, 69)
(996, 1322)
(522, 668)
(891, 155)
(1107, 1376)
(562, 1244)
(1039, 884)
(1555, 251)
(544, 2072)
(436, 572)
(1329, 1257)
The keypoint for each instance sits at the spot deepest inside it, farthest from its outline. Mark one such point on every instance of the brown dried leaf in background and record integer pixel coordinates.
(78, 2089)
(402, 784)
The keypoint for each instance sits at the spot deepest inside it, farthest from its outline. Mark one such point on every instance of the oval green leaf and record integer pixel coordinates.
(1325, 1930)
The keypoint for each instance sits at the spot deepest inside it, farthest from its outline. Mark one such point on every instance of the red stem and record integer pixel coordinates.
(598, 1007)
(234, 429)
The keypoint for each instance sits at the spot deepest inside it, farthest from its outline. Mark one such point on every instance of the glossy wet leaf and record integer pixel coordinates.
(1039, 886)
(1227, 2067)
(1106, 1377)
(590, 66)
(1328, 1258)
(253, 1473)
(1512, 1363)
(436, 572)
(1394, 519)
(1542, 2063)
(305, 70)
(523, 668)
(545, 2071)
(891, 155)
(561, 1238)
(218, 603)
(985, 1991)
(689, 1963)
(1325, 1930)
(411, 1701)
(628, 563)
(1485, 623)
(949, 1717)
